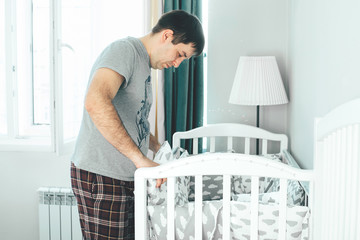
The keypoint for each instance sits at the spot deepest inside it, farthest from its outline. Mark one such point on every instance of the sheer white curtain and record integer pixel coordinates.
(157, 112)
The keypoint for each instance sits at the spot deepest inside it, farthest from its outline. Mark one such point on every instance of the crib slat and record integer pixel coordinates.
(353, 181)
(264, 146)
(336, 184)
(254, 207)
(282, 209)
(356, 183)
(212, 144)
(324, 155)
(247, 146)
(195, 145)
(140, 209)
(349, 195)
(326, 191)
(353, 158)
(198, 207)
(229, 143)
(341, 183)
(226, 206)
(331, 180)
(171, 208)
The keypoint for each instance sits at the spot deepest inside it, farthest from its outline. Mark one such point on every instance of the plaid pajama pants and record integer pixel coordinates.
(106, 205)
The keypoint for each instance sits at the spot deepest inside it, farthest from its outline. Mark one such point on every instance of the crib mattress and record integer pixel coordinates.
(297, 221)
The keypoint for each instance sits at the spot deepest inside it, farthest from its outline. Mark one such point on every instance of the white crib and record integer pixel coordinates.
(226, 164)
(337, 171)
(334, 201)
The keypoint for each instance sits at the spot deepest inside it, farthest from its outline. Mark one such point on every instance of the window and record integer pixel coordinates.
(40, 43)
(51, 46)
(32, 69)
(85, 33)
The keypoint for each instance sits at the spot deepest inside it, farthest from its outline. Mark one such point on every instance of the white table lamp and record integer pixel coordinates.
(258, 83)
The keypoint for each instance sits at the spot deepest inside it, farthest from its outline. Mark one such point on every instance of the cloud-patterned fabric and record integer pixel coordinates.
(213, 185)
(297, 214)
(242, 185)
(272, 197)
(212, 188)
(296, 227)
(157, 196)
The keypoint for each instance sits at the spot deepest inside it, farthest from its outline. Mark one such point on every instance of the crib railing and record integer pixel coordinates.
(208, 164)
(231, 131)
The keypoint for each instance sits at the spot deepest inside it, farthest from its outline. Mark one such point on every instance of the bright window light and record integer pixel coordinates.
(32, 88)
(41, 62)
(87, 28)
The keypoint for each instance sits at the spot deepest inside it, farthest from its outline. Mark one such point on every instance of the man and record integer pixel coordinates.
(115, 135)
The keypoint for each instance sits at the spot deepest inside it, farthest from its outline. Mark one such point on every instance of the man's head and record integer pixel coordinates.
(181, 36)
(186, 29)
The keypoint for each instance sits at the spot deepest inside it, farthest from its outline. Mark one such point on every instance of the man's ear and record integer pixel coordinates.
(167, 35)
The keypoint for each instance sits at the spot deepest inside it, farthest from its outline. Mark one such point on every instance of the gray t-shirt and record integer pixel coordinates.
(93, 152)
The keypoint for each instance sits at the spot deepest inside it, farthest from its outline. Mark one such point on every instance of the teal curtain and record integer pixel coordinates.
(184, 86)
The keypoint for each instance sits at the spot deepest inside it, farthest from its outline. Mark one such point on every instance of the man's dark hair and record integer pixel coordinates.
(186, 27)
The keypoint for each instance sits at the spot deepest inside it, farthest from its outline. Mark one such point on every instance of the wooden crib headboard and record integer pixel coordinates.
(231, 130)
(337, 171)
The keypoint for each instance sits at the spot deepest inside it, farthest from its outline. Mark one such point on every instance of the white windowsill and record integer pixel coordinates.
(26, 145)
(35, 145)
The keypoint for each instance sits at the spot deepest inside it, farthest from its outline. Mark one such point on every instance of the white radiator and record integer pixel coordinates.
(58, 215)
(337, 168)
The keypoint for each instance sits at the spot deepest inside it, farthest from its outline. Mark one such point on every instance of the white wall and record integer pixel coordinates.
(323, 65)
(244, 28)
(21, 174)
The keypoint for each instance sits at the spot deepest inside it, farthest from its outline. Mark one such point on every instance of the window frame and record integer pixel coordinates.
(13, 141)
(55, 143)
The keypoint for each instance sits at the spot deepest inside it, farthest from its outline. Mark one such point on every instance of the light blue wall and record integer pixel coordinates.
(244, 28)
(323, 66)
(317, 46)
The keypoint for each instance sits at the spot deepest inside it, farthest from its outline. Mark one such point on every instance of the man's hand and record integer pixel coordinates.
(145, 162)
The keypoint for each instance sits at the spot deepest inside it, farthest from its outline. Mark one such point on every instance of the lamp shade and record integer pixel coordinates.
(258, 82)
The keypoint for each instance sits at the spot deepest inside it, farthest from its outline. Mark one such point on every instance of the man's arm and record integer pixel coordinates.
(98, 103)
(154, 144)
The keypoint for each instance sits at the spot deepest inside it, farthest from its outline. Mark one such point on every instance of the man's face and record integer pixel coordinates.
(170, 55)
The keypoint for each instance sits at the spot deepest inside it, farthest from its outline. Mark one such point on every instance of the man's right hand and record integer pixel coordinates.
(146, 162)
